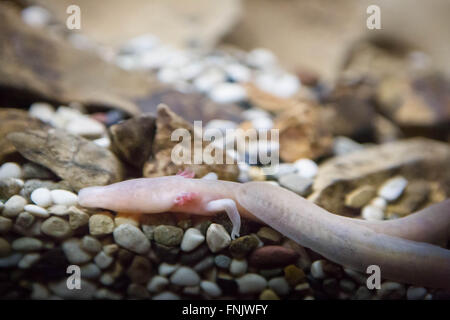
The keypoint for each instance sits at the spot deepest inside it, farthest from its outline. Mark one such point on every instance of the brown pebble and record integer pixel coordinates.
(272, 257)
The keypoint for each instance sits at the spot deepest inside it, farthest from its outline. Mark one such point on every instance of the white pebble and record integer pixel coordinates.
(228, 93)
(185, 276)
(192, 238)
(392, 189)
(279, 285)
(206, 81)
(14, 206)
(167, 295)
(372, 213)
(103, 142)
(253, 114)
(141, 43)
(217, 237)
(28, 260)
(261, 58)
(42, 197)
(283, 86)
(211, 176)
(26, 244)
(166, 269)
(211, 288)
(306, 168)
(238, 267)
(10, 170)
(317, 269)
(238, 72)
(379, 202)
(157, 284)
(36, 16)
(85, 126)
(74, 253)
(64, 197)
(251, 283)
(168, 75)
(262, 123)
(36, 211)
(43, 111)
(102, 260)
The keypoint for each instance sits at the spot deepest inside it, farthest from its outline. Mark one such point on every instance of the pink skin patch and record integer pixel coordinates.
(185, 197)
(186, 174)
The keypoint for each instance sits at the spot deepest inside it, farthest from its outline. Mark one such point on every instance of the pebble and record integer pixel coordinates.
(211, 288)
(296, 183)
(379, 203)
(137, 291)
(77, 218)
(118, 220)
(10, 187)
(102, 260)
(103, 142)
(185, 276)
(362, 294)
(105, 294)
(204, 264)
(101, 224)
(131, 238)
(270, 273)
(294, 275)
(64, 197)
(25, 220)
(317, 270)
(306, 168)
(85, 126)
(192, 291)
(42, 197)
(27, 244)
(269, 236)
(255, 114)
(208, 80)
(347, 285)
(262, 124)
(39, 292)
(251, 283)
(157, 284)
(5, 224)
(58, 210)
(268, 294)
(14, 206)
(392, 189)
(217, 237)
(36, 211)
(228, 93)
(167, 295)
(90, 271)
(372, 213)
(269, 257)
(238, 267)
(222, 261)
(416, 293)
(343, 145)
(211, 176)
(31, 170)
(360, 196)
(86, 291)
(28, 260)
(391, 290)
(261, 58)
(168, 235)
(36, 16)
(10, 261)
(238, 72)
(166, 269)
(56, 227)
(279, 285)
(10, 170)
(74, 253)
(281, 85)
(5, 248)
(139, 270)
(242, 246)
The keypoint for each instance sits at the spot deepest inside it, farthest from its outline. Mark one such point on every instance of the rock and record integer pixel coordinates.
(293, 275)
(192, 239)
(222, 261)
(139, 270)
(64, 197)
(86, 291)
(168, 235)
(77, 218)
(132, 140)
(14, 206)
(166, 295)
(5, 248)
(74, 253)
(157, 284)
(347, 285)
(322, 268)
(86, 127)
(272, 257)
(166, 254)
(137, 291)
(301, 133)
(58, 210)
(39, 292)
(362, 294)
(269, 236)
(416, 293)
(28, 260)
(56, 227)
(194, 256)
(11, 260)
(415, 194)
(211, 289)
(228, 93)
(78, 161)
(217, 238)
(27, 244)
(268, 294)
(36, 211)
(161, 163)
(238, 267)
(391, 291)
(33, 184)
(416, 158)
(372, 213)
(32, 170)
(91, 244)
(131, 238)
(279, 285)
(100, 224)
(102, 260)
(360, 196)
(392, 189)
(251, 283)
(5, 224)
(25, 219)
(166, 269)
(344, 145)
(242, 246)
(10, 187)
(10, 170)
(306, 168)
(185, 276)
(296, 183)
(282, 85)
(379, 203)
(205, 264)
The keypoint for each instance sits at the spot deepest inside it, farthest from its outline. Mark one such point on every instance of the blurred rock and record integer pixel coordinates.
(416, 158)
(78, 161)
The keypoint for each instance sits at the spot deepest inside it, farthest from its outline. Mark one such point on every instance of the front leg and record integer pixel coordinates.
(229, 206)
